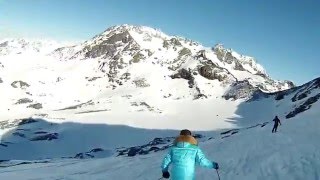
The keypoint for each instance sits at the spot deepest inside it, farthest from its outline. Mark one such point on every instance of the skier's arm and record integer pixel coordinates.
(202, 160)
(279, 122)
(166, 162)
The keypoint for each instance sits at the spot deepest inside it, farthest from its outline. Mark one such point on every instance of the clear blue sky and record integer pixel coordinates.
(283, 35)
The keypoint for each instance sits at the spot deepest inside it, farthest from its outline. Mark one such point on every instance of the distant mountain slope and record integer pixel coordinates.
(121, 46)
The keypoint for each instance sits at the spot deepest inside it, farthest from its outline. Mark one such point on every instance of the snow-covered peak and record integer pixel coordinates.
(25, 45)
(138, 33)
(219, 46)
(121, 47)
(249, 63)
(141, 36)
(138, 29)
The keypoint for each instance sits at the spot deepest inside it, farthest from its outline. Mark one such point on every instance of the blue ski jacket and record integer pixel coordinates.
(183, 157)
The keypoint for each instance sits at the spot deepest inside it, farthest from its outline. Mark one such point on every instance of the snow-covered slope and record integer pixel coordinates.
(105, 128)
(245, 153)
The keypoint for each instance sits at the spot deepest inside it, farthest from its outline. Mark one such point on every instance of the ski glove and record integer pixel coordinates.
(166, 175)
(215, 165)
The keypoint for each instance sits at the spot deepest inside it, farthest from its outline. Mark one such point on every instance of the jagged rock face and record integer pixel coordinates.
(201, 55)
(184, 52)
(4, 44)
(228, 58)
(290, 84)
(64, 53)
(137, 57)
(303, 107)
(185, 74)
(238, 66)
(24, 101)
(172, 43)
(175, 42)
(219, 51)
(212, 73)
(109, 46)
(46, 137)
(20, 84)
(207, 72)
(227, 55)
(35, 106)
(183, 56)
(141, 83)
(125, 76)
(239, 90)
(287, 84)
(306, 90)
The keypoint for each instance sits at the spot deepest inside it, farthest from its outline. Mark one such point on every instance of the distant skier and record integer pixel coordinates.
(183, 156)
(276, 124)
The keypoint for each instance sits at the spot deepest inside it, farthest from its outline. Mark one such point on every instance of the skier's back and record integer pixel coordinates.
(276, 124)
(183, 156)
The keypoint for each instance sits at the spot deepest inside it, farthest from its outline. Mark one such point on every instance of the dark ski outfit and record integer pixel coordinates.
(276, 124)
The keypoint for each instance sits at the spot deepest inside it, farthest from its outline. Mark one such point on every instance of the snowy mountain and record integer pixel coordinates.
(118, 100)
(21, 46)
(152, 73)
(120, 47)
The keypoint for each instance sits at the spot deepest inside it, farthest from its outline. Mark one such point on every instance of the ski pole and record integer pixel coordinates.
(218, 174)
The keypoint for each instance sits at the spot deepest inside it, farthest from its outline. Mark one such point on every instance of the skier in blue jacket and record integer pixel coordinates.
(183, 156)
